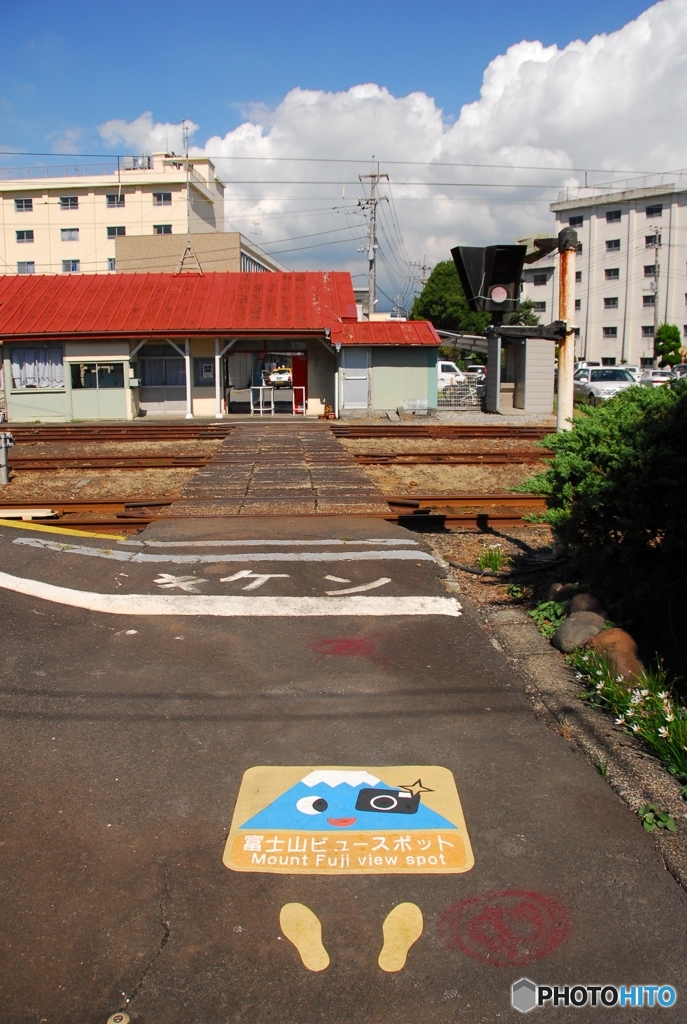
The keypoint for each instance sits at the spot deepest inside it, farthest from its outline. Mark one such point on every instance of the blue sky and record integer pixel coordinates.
(68, 68)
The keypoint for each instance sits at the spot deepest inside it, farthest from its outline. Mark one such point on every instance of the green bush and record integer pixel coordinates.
(619, 477)
(616, 492)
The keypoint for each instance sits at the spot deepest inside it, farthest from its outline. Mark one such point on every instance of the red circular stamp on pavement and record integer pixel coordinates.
(507, 929)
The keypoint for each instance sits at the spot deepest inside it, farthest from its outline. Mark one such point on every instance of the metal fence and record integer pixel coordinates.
(469, 395)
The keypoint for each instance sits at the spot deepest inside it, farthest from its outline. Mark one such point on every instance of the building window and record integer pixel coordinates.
(162, 229)
(646, 361)
(648, 300)
(115, 202)
(611, 303)
(111, 261)
(684, 330)
(613, 216)
(116, 232)
(579, 248)
(26, 267)
(162, 198)
(23, 205)
(576, 333)
(648, 331)
(69, 234)
(71, 266)
(162, 366)
(578, 277)
(97, 375)
(25, 236)
(612, 273)
(650, 270)
(613, 245)
(539, 307)
(576, 222)
(608, 360)
(69, 202)
(651, 240)
(37, 368)
(610, 332)
(538, 279)
(578, 303)
(655, 211)
(204, 372)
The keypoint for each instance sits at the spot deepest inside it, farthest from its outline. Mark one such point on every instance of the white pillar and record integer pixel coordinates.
(218, 383)
(189, 379)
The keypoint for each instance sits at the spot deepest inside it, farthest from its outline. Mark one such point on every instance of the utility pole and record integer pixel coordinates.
(370, 203)
(567, 247)
(654, 284)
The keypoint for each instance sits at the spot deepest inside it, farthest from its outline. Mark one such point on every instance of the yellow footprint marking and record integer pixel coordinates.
(303, 928)
(402, 927)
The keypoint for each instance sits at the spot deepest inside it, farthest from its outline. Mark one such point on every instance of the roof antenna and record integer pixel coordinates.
(189, 262)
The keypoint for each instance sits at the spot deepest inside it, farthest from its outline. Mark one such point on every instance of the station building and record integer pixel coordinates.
(113, 347)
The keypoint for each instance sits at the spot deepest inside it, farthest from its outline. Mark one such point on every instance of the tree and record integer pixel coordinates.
(667, 345)
(525, 315)
(442, 302)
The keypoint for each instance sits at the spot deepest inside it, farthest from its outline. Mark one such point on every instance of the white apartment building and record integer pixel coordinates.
(631, 273)
(69, 222)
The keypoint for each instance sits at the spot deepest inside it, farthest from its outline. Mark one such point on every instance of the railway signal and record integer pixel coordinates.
(490, 276)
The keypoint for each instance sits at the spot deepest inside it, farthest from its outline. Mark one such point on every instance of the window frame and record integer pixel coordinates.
(165, 198)
(26, 264)
(74, 269)
(610, 302)
(21, 207)
(610, 333)
(98, 368)
(162, 229)
(612, 274)
(27, 238)
(65, 232)
(36, 347)
(614, 216)
(649, 301)
(117, 231)
(540, 280)
(576, 221)
(656, 210)
(612, 245)
(115, 201)
(69, 202)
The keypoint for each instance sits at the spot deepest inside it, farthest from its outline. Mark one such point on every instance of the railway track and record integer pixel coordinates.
(417, 511)
(505, 458)
(66, 433)
(435, 431)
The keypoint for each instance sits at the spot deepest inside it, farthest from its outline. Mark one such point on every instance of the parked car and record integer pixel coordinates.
(476, 370)
(656, 378)
(449, 374)
(680, 370)
(595, 385)
(280, 377)
(634, 370)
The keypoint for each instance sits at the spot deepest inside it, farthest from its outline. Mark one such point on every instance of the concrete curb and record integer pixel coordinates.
(631, 770)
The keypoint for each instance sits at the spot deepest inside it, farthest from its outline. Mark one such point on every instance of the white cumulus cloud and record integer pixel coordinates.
(613, 104)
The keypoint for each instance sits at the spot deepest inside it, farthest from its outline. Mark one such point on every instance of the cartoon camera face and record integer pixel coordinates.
(387, 801)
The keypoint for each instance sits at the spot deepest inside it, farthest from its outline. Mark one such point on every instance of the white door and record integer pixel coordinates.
(355, 378)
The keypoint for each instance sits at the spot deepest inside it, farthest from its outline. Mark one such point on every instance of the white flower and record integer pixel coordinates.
(620, 720)
(663, 694)
(635, 728)
(644, 693)
(599, 686)
(635, 698)
(663, 732)
(618, 679)
(670, 717)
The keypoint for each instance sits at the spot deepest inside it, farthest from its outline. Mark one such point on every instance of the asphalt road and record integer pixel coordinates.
(128, 723)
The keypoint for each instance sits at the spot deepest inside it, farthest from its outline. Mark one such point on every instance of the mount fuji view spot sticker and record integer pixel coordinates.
(402, 819)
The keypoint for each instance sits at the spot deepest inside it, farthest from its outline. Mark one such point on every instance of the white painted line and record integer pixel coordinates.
(206, 604)
(247, 556)
(391, 541)
(337, 579)
(361, 589)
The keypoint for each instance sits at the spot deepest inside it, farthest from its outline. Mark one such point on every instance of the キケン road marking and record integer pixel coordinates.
(219, 605)
(248, 556)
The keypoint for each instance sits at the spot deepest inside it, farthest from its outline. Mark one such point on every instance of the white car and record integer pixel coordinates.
(595, 385)
(656, 378)
(449, 374)
(477, 370)
(634, 370)
(280, 377)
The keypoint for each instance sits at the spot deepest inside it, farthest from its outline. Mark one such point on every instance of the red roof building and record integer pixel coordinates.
(112, 346)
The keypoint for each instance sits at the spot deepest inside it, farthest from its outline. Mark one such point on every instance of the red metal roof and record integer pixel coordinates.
(386, 332)
(182, 305)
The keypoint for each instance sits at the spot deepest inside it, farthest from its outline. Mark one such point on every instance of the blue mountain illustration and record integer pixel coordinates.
(332, 801)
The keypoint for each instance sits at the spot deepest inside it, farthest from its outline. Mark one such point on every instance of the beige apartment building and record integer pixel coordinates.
(212, 252)
(70, 222)
(631, 269)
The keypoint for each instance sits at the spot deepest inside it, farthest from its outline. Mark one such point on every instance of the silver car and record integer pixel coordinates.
(595, 385)
(656, 378)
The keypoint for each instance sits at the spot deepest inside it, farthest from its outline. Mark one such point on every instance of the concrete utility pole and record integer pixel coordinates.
(654, 285)
(567, 247)
(370, 203)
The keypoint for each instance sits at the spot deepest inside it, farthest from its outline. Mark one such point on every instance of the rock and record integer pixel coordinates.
(585, 603)
(567, 591)
(577, 630)
(620, 651)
